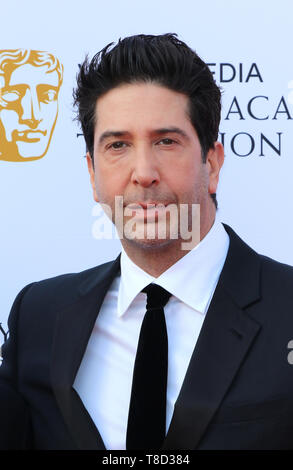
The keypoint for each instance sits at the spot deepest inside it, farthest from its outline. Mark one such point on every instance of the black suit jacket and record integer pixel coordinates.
(238, 389)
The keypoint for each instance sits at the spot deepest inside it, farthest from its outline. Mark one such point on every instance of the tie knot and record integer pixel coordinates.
(157, 296)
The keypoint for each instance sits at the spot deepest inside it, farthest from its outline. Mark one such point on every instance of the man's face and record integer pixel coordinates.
(28, 112)
(146, 149)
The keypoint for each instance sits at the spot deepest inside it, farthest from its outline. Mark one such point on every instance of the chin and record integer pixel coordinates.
(156, 244)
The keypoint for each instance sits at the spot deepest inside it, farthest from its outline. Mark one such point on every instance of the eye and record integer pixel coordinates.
(10, 96)
(117, 145)
(49, 96)
(167, 141)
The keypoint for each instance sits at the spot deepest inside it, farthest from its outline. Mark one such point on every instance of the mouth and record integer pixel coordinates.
(29, 135)
(149, 205)
(151, 211)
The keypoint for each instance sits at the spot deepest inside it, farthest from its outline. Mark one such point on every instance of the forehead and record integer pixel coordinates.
(32, 75)
(140, 104)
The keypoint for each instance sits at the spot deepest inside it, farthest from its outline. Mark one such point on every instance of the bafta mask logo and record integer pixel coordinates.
(29, 86)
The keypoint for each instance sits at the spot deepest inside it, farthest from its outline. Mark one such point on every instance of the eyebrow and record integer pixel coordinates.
(108, 134)
(171, 130)
(25, 86)
(164, 130)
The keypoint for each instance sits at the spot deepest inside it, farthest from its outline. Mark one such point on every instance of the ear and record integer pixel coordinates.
(215, 160)
(92, 175)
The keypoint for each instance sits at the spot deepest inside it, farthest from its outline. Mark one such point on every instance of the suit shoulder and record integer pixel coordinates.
(72, 277)
(276, 275)
(276, 267)
(63, 288)
(242, 251)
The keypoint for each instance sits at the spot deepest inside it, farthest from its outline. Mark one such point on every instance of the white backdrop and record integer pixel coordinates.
(46, 205)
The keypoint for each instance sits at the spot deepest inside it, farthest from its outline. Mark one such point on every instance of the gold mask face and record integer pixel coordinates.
(29, 86)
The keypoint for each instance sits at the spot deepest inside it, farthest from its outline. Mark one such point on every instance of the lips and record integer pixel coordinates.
(149, 212)
(29, 135)
(147, 205)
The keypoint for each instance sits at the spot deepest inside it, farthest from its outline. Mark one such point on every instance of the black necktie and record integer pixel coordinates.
(147, 410)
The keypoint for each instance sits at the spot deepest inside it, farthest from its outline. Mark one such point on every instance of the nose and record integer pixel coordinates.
(30, 109)
(145, 172)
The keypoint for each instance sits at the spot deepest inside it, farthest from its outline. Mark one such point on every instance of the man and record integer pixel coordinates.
(29, 86)
(162, 348)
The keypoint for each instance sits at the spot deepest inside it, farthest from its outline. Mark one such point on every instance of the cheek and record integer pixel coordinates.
(181, 175)
(107, 184)
(9, 119)
(189, 183)
(49, 113)
(109, 175)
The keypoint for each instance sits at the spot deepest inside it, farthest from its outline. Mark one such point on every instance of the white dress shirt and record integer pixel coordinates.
(104, 378)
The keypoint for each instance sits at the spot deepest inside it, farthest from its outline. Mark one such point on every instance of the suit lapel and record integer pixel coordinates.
(73, 329)
(225, 338)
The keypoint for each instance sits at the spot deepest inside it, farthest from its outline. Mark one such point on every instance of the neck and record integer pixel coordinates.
(157, 257)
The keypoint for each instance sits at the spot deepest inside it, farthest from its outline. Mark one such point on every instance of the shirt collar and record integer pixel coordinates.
(192, 279)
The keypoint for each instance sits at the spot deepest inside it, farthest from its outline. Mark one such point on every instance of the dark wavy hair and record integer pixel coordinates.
(161, 59)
